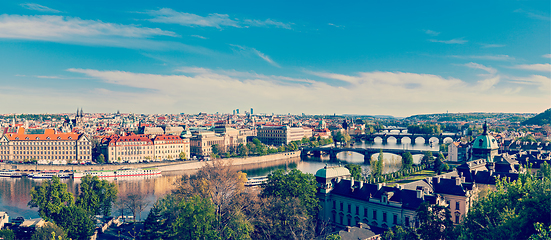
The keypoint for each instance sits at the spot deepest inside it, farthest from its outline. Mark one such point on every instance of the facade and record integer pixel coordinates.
(346, 202)
(170, 147)
(132, 148)
(458, 152)
(201, 143)
(4, 218)
(45, 146)
(279, 135)
(484, 146)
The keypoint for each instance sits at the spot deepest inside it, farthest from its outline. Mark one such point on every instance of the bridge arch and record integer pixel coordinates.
(447, 140)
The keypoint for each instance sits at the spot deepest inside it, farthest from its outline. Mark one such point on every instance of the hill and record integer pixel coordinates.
(540, 119)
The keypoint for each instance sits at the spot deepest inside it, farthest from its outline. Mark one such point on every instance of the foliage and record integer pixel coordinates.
(50, 198)
(399, 233)
(424, 129)
(101, 159)
(333, 237)
(283, 218)
(77, 222)
(340, 137)
(293, 184)
(355, 171)
(435, 222)
(543, 233)
(182, 156)
(540, 119)
(196, 220)
(377, 166)
(97, 196)
(439, 164)
(7, 234)
(427, 158)
(135, 203)
(512, 210)
(50, 231)
(407, 160)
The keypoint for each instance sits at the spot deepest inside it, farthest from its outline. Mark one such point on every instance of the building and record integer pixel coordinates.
(346, 202)
(459, 152)
(169, 147)
(202, 141)
(131, 148)
(4, 218)
(484, 146)
(279, 135)
(45, 146)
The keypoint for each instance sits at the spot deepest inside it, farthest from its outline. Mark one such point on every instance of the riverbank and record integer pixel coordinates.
(242, 163)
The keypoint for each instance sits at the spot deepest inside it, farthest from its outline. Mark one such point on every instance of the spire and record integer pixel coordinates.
(485, 127)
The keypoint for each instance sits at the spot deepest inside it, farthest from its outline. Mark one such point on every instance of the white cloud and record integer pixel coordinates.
(432, 33)
(38, 7)
(545, 67)
(547, 56)
(199, 36)
(167, 15)
(451, 41)
(534, 15)
(482, 67)
(544, 83)
(492, 45)
(396, 93)
(335, 25)
(248, 50)
(486, 57)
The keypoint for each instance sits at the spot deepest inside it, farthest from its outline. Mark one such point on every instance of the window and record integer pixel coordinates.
(395, 219)
(384, 216)
(448, 203)
(341, 209)
(365, 212)
(407, 221)
(457, 205)
(349, 206)
(357, 210)
(375, 214)
(334, 205)
(457, 218)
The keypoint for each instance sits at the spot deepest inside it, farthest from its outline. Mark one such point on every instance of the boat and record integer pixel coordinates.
(10, 173)
(50, 174)
(256, 181)
(123, 172)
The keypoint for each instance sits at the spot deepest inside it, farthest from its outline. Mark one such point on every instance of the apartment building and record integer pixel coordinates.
(45, 146)
(170, 146)
(279, 135)
(131, 148)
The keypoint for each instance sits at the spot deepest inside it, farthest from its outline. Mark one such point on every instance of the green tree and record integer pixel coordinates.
(511, 210)
(435, 222)
(101, 159)
(77, 222)
(50, 198)
(333, 237)
(427, 158)
(407, 160)
(380, 163)
(7, 234)
(50, 231)
(399, 233)
(439, 164)
(196, 220)
(97, 196)
(283, 218)
(182, 156)
(293, 184)
(355, 171)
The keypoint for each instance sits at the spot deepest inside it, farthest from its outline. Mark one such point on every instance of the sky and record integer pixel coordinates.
(395, 58)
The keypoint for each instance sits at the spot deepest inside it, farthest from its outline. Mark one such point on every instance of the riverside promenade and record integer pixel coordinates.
(163, 166)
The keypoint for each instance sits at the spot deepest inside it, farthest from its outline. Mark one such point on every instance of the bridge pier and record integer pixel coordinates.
(333, 155)
(367, 156)
(385, 140)
(303, 154)
(398, 140)
(317, 154)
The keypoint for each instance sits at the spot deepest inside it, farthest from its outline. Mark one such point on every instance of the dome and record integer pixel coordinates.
(485, 141)
(332, 172)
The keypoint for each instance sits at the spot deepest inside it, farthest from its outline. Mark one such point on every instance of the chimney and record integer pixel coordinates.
(361, 184)
(352, 183)
(420, 194)
(458, 181)
(360, 225)
(348, 228)
(379, 186)
(435, 180)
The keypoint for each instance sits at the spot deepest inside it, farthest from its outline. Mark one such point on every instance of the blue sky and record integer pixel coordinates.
(317, 57)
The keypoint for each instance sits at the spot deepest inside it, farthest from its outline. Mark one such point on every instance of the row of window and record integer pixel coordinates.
(365, 213)
(49, 143)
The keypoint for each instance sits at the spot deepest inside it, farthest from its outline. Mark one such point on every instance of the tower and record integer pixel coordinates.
(485, 146)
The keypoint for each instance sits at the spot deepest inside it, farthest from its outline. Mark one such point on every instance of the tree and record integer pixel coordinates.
(196, 219)
(182, 156)
(7, 234)
(293, 184)
(407, 160)
(50, 198)
(427, 158)
(283, 218)
(77, 222)
(243, 150)
(435, 222)
(50, 231)
(135, 203)
(510, 211)
(333, 237)
(97, 196)
(355, 171)
(439, 164)
(399, 233)
(101, 159)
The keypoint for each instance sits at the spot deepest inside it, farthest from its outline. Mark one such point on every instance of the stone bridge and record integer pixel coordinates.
(367, 152)
(412, 137)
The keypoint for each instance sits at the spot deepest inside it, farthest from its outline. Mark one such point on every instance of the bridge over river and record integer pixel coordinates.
(412, 137)
(367, 152)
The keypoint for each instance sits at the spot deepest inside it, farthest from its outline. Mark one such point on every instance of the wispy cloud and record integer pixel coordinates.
(534, 15)
(432, 33)
(335, 25)
(199, 36)
(451, 41)
(544, 83)
(78, 31)
(227, 89)
(546, 55)
(486, 57)
(545, 67)
(167, 15)
(481, 67)
(249, 50)
(492, 45)
(38, 7)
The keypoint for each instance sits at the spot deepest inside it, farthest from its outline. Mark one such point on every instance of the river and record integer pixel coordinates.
(15, 192)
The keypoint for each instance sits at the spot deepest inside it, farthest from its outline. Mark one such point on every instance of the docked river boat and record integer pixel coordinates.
(10, 173)
(125, 172)
(50, 174)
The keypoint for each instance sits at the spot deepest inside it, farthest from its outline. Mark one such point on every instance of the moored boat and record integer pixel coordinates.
(124, 172)
(10, 173)
(49, 174)
(256, 181)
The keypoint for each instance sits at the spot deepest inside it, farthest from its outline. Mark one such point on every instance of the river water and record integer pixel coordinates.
(15, 192)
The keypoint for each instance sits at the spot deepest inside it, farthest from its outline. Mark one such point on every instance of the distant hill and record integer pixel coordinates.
(540, 119)
(477, 116)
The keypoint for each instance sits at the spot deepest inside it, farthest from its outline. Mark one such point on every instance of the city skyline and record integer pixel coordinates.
(368, 58)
